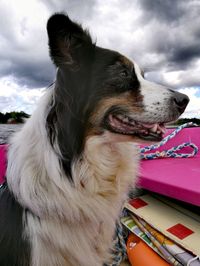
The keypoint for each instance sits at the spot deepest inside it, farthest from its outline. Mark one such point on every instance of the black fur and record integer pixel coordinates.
(14, 246)
(86, 74)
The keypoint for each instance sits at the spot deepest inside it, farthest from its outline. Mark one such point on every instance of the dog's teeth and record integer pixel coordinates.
(162, 129)
(120, 117)
(154, 128)
(125, 119)
(132, 122)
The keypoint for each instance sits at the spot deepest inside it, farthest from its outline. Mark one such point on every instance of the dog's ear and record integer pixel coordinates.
(69, 44)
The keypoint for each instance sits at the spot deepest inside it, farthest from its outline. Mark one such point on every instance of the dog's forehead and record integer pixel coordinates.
(131, 64)
(127, 62)
(107, 56)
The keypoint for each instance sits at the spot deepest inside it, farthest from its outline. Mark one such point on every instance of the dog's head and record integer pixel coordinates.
(98, 89)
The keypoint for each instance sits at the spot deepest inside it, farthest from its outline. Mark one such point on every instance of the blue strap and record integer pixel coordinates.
(172, 153)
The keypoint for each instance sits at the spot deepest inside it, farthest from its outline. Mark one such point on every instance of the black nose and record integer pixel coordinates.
(181, 101)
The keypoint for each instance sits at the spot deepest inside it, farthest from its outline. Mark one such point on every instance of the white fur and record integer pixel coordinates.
(157, 100)
(69, 224)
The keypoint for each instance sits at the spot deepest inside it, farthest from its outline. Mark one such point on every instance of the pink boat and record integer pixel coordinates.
(178, 178)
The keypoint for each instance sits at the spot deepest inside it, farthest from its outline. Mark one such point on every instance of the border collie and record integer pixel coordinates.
(71, 166)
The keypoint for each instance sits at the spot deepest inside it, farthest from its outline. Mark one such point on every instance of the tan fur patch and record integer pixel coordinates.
(126, 61)
(130, 102)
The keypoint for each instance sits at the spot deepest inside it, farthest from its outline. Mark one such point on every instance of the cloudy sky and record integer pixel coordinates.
(163, 36)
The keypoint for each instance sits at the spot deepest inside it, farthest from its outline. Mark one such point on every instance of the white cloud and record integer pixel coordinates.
(183, 78)
(193, 108)
(114, 25)
(172, 77)
(18, 98)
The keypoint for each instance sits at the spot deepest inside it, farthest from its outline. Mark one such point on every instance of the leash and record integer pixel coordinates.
(171, 153)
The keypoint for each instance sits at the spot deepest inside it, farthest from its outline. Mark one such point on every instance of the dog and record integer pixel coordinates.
(73, 163)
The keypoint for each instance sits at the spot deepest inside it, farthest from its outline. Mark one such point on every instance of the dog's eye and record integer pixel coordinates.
(124, 73)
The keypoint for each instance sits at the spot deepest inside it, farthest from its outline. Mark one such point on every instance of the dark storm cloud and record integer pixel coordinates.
(170, 40)
(175, 49)
(174, 31)
(18, 58)
(32, 74)
(185, 55)
(163, 10)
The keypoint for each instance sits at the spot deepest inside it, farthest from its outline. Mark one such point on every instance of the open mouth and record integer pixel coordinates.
(123, 124)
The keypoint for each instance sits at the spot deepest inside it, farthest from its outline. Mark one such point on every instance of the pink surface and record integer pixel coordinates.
(175, 177)
(3, 149)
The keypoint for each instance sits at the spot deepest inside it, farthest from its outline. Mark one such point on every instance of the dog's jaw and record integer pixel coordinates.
(125, 125)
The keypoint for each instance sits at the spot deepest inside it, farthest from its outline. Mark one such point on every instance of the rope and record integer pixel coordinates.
(172, 153)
